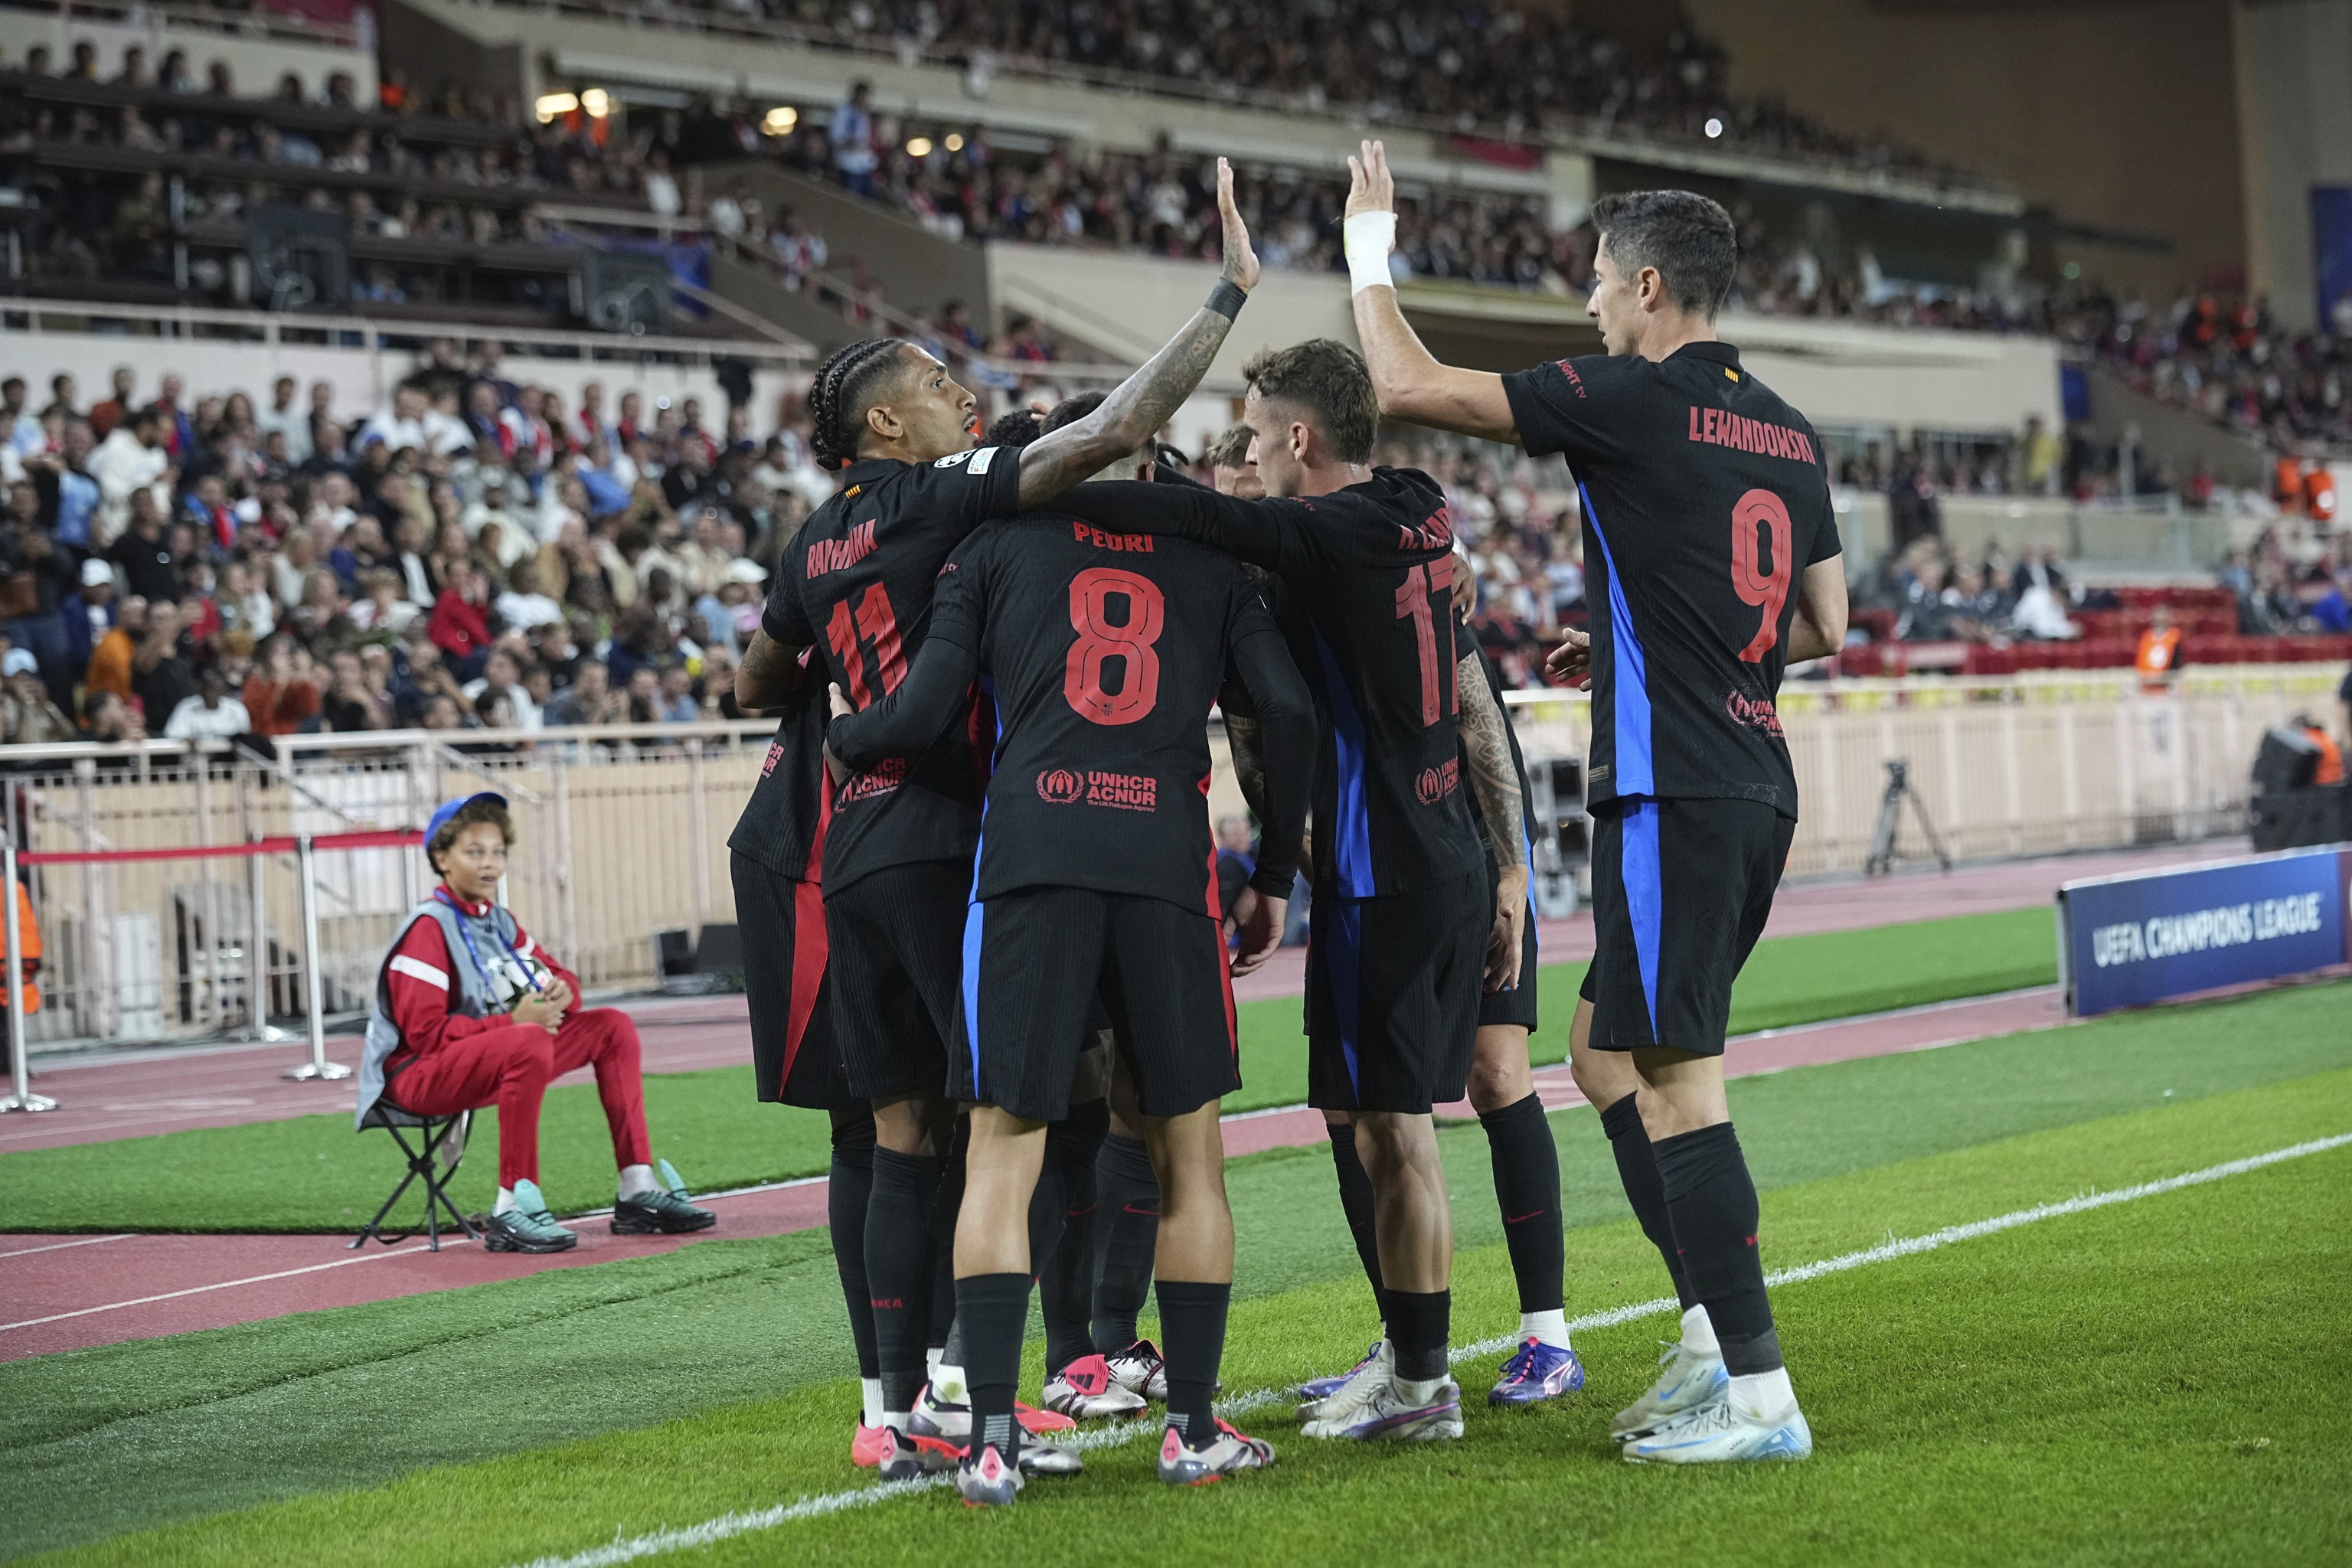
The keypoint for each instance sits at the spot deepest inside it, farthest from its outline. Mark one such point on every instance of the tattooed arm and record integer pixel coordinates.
(771, 675)
(1140, 404)
(1495, 780)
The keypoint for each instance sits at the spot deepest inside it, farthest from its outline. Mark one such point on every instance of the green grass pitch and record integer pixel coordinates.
(315, 1174)
(2159, 1381)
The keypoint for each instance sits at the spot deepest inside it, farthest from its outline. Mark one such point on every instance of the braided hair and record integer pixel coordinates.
(837, 399)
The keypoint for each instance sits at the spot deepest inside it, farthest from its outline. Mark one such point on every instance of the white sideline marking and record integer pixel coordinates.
(61, 1245)
(727, 1526)
(224, 1285)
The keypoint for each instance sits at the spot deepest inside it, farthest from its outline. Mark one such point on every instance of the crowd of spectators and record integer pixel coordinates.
(472, 556)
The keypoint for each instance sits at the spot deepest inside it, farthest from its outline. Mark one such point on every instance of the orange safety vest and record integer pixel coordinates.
(2159, 650)
(2330, 770)
(29, 932)
(2289, 472)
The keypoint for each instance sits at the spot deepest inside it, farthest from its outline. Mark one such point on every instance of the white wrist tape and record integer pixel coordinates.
(1369, 238)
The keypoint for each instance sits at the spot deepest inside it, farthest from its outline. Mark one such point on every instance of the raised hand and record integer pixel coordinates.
(1370, 187)
(1240, 261)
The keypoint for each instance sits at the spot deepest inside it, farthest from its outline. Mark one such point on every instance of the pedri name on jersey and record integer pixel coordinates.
(1085, 533)
(1721, 428)
(833, 554)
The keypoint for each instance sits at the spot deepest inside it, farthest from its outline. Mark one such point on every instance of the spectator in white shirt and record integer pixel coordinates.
(284, 419)
(401, 425)
(132, 458)
(502, 677)
(854, 158)
(522, 607)
(211, 714)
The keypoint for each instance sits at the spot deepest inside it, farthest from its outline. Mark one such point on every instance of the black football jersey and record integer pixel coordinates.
(1705, 497)
(784, 824)
(1106, 652)
(1367, 575)
(856, 583)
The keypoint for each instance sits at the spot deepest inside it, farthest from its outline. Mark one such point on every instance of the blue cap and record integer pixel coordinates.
(448, 809)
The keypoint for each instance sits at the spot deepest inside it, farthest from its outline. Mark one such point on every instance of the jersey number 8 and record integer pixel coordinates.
(1090, 595)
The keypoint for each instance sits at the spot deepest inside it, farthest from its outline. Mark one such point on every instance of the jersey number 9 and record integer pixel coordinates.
(1090, 595)
(1761, 510)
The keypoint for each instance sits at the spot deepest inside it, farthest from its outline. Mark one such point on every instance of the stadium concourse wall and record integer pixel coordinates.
(624, 829)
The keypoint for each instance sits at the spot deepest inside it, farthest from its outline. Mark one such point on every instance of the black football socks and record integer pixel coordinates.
(1712, 1202)
(1066, 1270)
(1418, 1323)
(1192, 1337)
(1527, 1185)
(1356, 1203)
(991, 1309)
(1637, 1168)
(898, 1259)
(849, 1189)
(1126, 1230)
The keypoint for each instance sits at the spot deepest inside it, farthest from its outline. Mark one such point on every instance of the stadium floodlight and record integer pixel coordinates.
(1714, 127)
(597, 103)
(554, 103)
(780, 120)
(920, 147)
(955, 142)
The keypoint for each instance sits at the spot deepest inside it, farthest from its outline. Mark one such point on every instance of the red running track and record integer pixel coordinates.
(59, 1293)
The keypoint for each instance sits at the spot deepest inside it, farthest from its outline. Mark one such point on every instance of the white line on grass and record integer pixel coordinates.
(713, 1531)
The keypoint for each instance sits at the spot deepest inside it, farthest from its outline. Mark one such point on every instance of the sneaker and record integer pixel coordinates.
(663, 1211)
(866, 1448)
(908, 1456)
(1691, 1380)
(1182, 1464)
(1720, 1432)
(1537, 1370)
(988, 1481)
(950, 1420)
(1388, 1415)
(1371, 1376)
(1140, 1369)
(527, 1226)
(1085, 1390)
(1324, 1387)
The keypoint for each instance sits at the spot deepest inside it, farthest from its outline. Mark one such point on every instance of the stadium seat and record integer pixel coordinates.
(436, 1135)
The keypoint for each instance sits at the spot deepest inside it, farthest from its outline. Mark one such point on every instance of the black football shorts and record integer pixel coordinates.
(895, 938)
(1681, 889)
(795, 1059)
(1035, 963)
(1392, 988)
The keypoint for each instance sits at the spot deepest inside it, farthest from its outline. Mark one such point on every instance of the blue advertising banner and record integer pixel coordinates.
(2126, 942)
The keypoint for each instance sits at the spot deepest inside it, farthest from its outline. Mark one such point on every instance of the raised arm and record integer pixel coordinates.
(1501, 813)
(905, 722)
(1412, 385)
(1140, 404)
(1818, 629)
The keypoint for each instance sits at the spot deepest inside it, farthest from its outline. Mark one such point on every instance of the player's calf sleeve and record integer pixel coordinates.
(1192, 1337)
(1527, 1185)
(849, 1189)
(1356, 1202)
(993, 1309)
(899, 1269)
(1418, 1323)
(1066, 1273)
(1637, 1170)
(1127, 1233)
(1712, 1202)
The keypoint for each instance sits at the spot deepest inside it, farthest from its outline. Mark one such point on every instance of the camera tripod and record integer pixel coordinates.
(1890, 820)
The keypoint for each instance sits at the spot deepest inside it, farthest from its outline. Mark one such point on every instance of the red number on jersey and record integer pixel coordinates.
(1760, 509)
(1091, 593)
(878, 625)
(1413, 604)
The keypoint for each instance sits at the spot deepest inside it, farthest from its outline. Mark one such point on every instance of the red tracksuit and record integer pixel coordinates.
(448, 1062)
